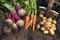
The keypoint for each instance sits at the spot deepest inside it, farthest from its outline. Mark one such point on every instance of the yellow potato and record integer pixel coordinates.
(53, 25)
(41, 15)
(47, 28)
(51, 32)
(53, 28)
(47, 24)
(41, 23)
(46, 32)
(42, 28)
(44, 18)
(54, 21)
(49, 19)
(38, 26)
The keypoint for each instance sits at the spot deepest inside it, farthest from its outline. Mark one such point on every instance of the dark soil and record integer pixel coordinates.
(29, 35)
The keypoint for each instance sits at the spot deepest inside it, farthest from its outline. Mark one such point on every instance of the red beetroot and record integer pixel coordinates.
(6, 29)
(21, 12)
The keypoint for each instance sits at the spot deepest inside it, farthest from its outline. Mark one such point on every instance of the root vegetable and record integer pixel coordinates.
(53, 28)
(53, 25)
(6, 29)
(54, 21)
(49, 19)
(21, 12)
(47, 28)
(38, 26)
(20, 23)
(44, 18)
(41, 23)
(29, 23)
(46, 32)
(34, 22)
(9, 21)
(44, 21)
(27, 20)
(42, 12)
(41, 15)
(42, 28)
(14, 26)
(51, 32)
(48, 23)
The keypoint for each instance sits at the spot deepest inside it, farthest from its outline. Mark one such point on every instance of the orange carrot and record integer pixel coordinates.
(27, 20)
(30, 22)
(32, 19)
(34, 22)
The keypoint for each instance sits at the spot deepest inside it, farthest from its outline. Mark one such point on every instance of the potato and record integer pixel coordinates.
(41, 23)
(46, 32)
(42, 28)
(47, 28)
(44, 18)
(53, 28)
(42, 12)
(54, 21)
(51, 32)
(47, 24)
(38, 26)
(41, 15)
(53, 25)
(49, 19)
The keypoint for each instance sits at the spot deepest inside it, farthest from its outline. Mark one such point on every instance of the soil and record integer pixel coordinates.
(29, 35)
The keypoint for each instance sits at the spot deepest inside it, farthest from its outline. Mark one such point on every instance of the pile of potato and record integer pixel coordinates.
(47, 25)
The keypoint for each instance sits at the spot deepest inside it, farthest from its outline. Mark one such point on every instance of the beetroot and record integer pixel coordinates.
(20, 23)
(7, 30)
(21, 12)
(15, 15)
(9, 15)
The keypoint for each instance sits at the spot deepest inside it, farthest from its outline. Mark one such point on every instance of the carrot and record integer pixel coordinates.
(32, 19)
(30, 22)
(27, 20)
(34, 22)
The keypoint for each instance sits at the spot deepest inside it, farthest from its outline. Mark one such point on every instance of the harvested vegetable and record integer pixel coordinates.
(54, 22)
(14, 26)
(27, 20)
(46, 32)
(20, 23)
(6, 29)
(41, 15)
(38, 26)
(42, 28)
(44, 18)
(41, 23)
(22, 12)
(34, 22)
(51, 32)
(9, 21)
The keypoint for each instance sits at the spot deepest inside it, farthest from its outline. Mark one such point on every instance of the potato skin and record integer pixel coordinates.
(46, 32)
(51, 32)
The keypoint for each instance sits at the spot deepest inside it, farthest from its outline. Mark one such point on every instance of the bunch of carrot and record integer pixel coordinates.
(30, 19)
